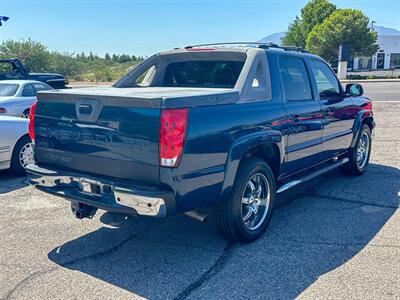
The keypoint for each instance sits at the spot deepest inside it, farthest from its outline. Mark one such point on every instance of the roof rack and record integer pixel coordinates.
(258, 44)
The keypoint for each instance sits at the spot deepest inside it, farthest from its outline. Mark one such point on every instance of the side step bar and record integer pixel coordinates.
(293, 183)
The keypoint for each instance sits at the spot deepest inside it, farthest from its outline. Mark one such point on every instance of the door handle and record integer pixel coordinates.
(295, 118)
(85, 109)
(327, 113)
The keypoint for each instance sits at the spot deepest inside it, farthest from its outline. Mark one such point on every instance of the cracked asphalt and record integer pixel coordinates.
(335, 237)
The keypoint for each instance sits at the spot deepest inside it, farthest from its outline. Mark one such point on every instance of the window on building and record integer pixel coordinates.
(395, 60)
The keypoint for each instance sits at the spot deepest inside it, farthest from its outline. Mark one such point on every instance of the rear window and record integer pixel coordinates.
(207, 74)
(8, 89)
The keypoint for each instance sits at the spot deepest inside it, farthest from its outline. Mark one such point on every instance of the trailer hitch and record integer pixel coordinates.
(82, 211)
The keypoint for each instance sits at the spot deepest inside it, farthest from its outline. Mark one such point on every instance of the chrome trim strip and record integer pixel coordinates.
(288, 185)
(293, 183)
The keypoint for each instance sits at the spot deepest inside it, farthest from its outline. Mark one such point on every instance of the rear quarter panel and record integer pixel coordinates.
(11, 130)
(211, 134)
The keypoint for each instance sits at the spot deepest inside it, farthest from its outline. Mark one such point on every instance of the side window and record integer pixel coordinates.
(146, 77)
(259, 80)
(256, 86)
(28, 91)
(295, 79)
(327, 83)
(41, 87)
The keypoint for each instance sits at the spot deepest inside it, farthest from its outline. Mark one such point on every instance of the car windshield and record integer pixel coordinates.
(8, 89)
(208, 74)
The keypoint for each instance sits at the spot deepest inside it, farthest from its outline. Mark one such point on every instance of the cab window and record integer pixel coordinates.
(327, 83)
(295, 78)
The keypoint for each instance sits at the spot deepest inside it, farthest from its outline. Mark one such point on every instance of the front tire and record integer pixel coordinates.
(245, 216)
(359, 154)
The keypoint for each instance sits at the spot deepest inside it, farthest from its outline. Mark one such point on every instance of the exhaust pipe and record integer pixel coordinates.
(197, 216)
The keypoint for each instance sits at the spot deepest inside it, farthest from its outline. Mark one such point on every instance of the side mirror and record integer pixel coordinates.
(354, 90)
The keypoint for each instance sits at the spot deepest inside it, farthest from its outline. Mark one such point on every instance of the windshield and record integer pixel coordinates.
(7, 89)
(208, 74)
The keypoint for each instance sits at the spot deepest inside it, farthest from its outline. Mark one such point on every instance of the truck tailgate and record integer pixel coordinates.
(113, 137)
(111, 132)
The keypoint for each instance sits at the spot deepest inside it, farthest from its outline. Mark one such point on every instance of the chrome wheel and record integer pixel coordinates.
(363, 150)
(255, 201)
(26, 155)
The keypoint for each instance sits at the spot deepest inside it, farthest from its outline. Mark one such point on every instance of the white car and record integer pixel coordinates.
(16, 149)
(17, 96)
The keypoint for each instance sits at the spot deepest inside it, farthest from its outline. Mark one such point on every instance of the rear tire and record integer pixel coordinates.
(359, 154)
(245, 216)
(22, 155)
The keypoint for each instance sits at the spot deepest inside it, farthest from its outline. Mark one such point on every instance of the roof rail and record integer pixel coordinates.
(258, 44)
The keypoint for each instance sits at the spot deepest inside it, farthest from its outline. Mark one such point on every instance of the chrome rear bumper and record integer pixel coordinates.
(103, 194)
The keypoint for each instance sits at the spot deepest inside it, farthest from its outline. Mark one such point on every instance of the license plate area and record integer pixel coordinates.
(94, 188)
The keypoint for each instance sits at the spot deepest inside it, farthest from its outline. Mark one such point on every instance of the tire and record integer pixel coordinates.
(232, 213)
(356, 166)
(18, 160)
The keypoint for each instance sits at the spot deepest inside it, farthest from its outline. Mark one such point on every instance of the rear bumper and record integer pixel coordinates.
(109, 196)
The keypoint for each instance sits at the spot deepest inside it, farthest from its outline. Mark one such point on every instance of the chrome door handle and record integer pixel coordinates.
(295, 117)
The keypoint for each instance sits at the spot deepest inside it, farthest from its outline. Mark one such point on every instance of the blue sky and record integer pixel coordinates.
(145, 27)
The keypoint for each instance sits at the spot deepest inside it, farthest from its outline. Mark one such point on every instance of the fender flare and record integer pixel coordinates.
(361, 117)
(240, 147)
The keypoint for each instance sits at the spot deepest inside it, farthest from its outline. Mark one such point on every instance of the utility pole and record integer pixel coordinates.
(344, 55)
(372, 25)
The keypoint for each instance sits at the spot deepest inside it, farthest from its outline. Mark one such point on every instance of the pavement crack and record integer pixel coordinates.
(207, 275)
(37, 274)
(21, 283)
(98, 254)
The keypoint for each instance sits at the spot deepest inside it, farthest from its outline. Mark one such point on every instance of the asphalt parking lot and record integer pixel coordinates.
(335, 237)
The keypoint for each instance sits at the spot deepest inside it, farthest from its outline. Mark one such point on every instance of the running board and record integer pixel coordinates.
(293, 183)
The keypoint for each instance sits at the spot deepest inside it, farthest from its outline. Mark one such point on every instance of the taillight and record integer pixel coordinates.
(3, 110)
(173, 125)
(32, 121)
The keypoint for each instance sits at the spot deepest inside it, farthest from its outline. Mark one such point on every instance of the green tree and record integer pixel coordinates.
(107, 56)
(66, 64)
(312, 14)
(33, 54)
(294, 34)
(344, 26)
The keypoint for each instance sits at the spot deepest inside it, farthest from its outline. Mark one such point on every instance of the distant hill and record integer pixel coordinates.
(273, 38)
(277, 37)
(386, 31)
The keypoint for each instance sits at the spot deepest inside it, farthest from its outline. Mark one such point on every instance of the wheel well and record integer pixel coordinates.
(269, 153)
(26, 135)
(369, 122)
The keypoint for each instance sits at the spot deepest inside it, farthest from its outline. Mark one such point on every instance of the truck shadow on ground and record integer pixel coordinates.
(10, 182)
(315, 229)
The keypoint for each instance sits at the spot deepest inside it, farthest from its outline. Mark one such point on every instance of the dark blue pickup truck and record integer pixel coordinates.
(228, 127)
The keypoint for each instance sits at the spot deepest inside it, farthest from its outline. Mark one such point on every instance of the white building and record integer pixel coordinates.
(388, 55)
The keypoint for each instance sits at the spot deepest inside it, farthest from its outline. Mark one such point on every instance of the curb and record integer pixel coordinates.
(370, 80)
